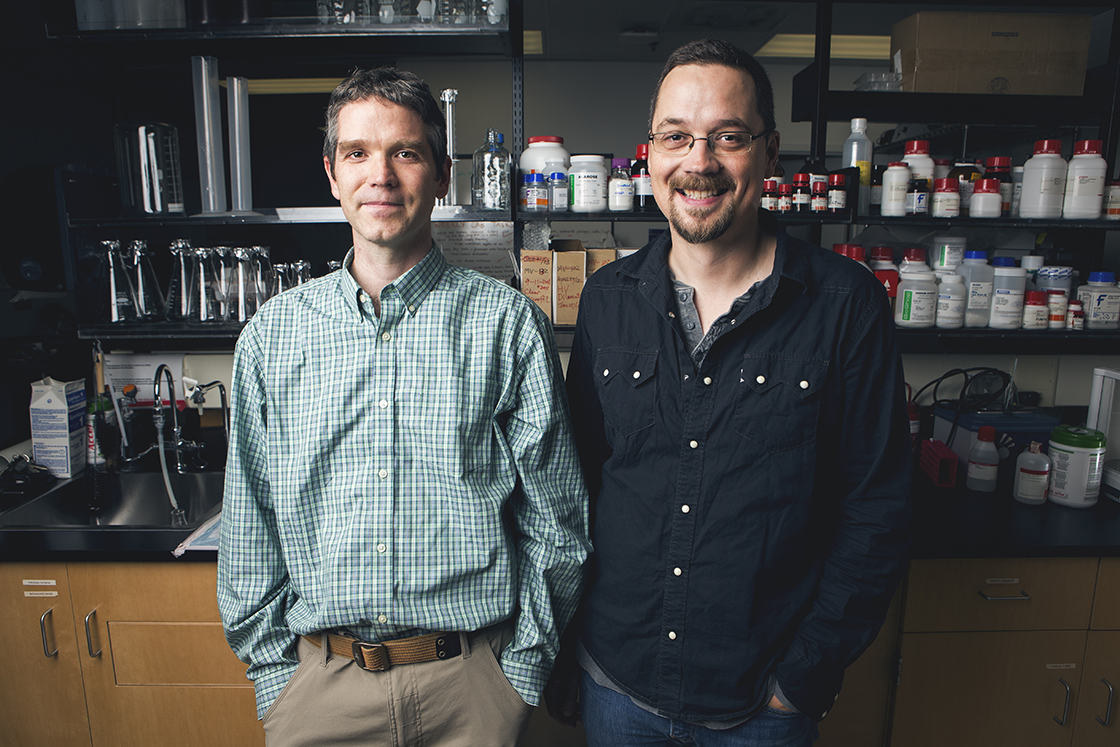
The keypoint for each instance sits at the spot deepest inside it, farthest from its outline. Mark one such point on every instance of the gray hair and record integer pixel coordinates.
(720, 52)
(396, 87)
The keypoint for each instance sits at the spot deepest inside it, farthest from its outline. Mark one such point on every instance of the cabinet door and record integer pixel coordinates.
(1106, 604)
(984, 689)
(999, 594)
(41, 697)
(1100, 688)
(165, 674)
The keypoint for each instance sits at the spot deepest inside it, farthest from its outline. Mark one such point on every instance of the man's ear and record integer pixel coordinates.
(773, 141)
(330, 177)
(443, 183)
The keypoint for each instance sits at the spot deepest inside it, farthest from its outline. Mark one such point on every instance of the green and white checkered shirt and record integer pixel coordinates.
(399, 475)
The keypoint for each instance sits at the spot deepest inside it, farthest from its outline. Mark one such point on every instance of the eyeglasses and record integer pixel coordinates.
(720, 143)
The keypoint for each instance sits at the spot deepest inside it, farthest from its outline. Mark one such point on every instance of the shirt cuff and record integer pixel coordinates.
(525, 675)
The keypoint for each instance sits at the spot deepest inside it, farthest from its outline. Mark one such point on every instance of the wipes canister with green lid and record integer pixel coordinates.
(1076, 465)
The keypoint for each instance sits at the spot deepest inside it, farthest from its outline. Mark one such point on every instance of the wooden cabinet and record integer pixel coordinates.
(999, 651)
(155, 668)
(42, 701)
(1098, 710)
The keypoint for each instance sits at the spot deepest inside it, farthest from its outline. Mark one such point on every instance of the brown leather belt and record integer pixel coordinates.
(378, 657)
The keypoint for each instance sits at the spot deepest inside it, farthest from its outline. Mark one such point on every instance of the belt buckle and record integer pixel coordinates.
(378, 650)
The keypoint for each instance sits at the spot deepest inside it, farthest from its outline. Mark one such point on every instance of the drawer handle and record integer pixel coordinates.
(1065, 712)
(1108, 708)
(1023, 597)
(43, 629)
(89, 638)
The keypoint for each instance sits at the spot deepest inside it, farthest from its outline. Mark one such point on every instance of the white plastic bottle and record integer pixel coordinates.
(858, 152)
(983, 461)
(1008, 292)
(916, 304)
(620, 189)
(1032, 475)
(541, 150)
(1044, 181)
(587, 184)
(895, 181)
(1085, 181)
(978, 276)
(1100, 299)
(951, 297)
(918, 160)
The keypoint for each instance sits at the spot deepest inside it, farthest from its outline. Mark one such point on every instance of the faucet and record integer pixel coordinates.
(177, 444)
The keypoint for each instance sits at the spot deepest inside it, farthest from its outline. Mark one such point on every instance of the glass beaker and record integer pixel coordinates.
(181, 289)
(151, 181)
(120, 294)
(282, 274)
(301, 269)
(203, 301)
(149, 297)
(264, 278)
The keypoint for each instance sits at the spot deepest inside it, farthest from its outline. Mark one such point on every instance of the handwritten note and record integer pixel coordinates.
(483, 246)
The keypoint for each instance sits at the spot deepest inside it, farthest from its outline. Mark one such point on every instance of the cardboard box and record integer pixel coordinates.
(597, 258)
(1016, 53)
(536, 277)
(569, 271)
(58, 425)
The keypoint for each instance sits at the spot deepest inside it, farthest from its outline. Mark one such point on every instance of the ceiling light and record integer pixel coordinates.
(291, 85)
(844, 47)
(533, 42)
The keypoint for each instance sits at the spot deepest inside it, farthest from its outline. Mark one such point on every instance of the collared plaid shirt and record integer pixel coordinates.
(401, 474)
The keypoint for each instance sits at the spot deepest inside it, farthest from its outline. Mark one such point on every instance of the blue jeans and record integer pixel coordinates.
(612, 720)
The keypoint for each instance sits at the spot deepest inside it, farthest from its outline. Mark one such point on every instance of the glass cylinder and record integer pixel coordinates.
(180, 289)
(120, 293)
(149, 296)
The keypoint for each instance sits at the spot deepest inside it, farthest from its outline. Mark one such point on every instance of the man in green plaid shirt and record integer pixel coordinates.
(405, 522)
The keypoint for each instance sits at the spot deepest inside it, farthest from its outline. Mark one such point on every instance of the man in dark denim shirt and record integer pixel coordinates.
(737, 401)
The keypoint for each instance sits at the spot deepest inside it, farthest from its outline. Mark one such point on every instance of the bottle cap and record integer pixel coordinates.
(800, 178)
(1102, 277)
(1047, 146)
(1035, 447)
(545, 139)
(1003, 262)
(942, 162)
(769, 185)
(535, 177)
(915, 254)
(642, 151)
(1031, 261)
(856, 252)
(1085, 147)
(785, 189)
(859, 124)
(820, 187)
(986, 186)
(836, 180)
(917, 146)
(1074, 304)
(946, 185)
(620, 163)
(1010, 272)
(557, 176)
(952, 277)
(893, 164)
(882, 253)
(999, 162)
(986, 433)
(1036, 298)
(976, 254)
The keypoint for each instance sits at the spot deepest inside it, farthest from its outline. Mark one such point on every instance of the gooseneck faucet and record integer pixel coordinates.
(164, 373)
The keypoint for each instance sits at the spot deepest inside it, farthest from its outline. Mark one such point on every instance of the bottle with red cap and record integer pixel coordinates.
(1044, 181)
(1085, 181)
(643, 185)
(818, 202)
(914, 260)
(770, 195)
(918, 160)
(983, 461)
(985, 201)
(854, 252)
(802, 193)
(999, 167)
(883, 266)
(785, 198)
(946, 198)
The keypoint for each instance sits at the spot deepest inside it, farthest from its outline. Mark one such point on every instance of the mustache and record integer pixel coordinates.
(694, 183)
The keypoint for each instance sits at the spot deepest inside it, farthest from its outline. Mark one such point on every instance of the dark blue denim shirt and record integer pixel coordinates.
(751, 516)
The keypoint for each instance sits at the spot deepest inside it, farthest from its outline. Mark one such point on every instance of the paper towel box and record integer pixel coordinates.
(58, 414)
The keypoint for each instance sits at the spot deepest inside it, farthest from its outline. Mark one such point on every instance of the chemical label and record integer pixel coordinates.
(643, 186)
(1088, 186)
(40, 593)
(1053, 186)
(1100, 307)
(39, 582)
(1007, 307)
(980, 296)
(919, 306)
(1033, 484)
(982, 471)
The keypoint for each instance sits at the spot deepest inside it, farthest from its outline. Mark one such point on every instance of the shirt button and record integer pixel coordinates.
(693, 444)
(637, 374)
(382, 404)
(411, 307)
(684, 296)
(382, 618)
(804, 384)
(677, 571)
(685, 509)
(761, 379)
(672, 315)
(707, 380)
(382, 473)
(381, 547)
(386, 336)
(672, 635)
(691, 325)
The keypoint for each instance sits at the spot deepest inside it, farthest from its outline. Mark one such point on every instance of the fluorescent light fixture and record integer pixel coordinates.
(533, 41)
(291, 85)
(844, 47)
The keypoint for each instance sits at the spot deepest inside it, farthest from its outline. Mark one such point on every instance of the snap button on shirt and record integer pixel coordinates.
(804, 384)
(672, 635)
(761, 379)
(707, 381)
(693, 444)
(685, 509)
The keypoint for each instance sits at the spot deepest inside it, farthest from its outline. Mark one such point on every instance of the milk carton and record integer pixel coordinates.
(58, 412)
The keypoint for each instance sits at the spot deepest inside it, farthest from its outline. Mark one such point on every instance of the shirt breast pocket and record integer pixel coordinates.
(778, 403)
(627, 383)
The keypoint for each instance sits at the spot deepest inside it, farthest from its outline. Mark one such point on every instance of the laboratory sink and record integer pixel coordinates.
(136, 499)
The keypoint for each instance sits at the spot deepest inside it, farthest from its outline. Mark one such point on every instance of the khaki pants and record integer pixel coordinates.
(462, 702)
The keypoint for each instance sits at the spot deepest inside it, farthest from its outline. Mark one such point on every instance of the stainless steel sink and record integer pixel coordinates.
(137, 499)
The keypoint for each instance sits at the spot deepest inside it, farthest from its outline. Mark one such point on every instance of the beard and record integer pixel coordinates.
(710, 224)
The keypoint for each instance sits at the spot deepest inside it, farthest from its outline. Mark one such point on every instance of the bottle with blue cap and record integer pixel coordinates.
(1100, 300)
